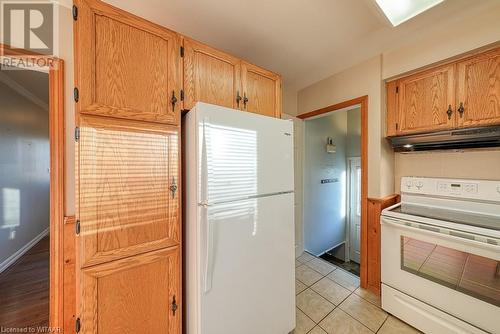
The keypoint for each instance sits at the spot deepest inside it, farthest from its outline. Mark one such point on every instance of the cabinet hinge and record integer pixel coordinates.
(78, 325)
(174, 306)
(77, 227)
(77, 134)
(75, 13)
(76, 94)
(397, 89)
(182, 94)
(182, 51)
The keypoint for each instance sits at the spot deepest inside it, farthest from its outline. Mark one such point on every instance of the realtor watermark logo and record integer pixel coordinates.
(28, 26)
(27, 31)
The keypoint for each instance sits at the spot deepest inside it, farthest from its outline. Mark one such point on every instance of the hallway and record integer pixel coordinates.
(24, 289)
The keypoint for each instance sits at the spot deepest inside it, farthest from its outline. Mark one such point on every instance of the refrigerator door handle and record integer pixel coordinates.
(208, 251)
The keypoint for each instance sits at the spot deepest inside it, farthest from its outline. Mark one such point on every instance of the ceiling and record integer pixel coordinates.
(304, 40)
(33, 81)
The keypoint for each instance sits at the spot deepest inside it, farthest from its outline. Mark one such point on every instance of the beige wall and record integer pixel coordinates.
(363, 79)
(470, 31)
(65, 52)
(478, 164)
(467, 32)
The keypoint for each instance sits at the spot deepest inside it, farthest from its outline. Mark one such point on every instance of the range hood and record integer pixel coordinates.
(450, 139)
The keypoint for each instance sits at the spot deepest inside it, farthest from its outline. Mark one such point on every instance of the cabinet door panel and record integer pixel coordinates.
(424, 99)
(210, 76)
(132, 295)
(125, 170)
(129, 68)
(263, 90)
(479, 90)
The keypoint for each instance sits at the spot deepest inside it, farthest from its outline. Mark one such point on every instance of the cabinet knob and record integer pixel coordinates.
(174, 306)
(245, 100)
(173, 187)
(238, 98)
(461, 109)
(449, 111)
(173, 100)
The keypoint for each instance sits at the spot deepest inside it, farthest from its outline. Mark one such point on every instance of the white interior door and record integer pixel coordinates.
(354, 209)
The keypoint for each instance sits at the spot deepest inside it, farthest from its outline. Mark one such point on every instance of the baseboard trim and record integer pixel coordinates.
(14, 257)
(329, 249)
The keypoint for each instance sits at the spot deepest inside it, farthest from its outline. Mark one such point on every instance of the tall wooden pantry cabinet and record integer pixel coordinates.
(127, 94)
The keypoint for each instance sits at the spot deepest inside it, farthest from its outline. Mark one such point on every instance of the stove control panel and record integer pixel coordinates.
(460, 188)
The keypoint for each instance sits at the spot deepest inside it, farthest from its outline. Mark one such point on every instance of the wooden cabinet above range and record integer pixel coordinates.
(460, 94)
(215, 77)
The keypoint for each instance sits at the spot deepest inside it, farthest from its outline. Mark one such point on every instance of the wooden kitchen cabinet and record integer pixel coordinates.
(478, 90)
(460, 94)
(129, 68)
(128, 264)
(261, 90)
(139, 294)
(210, 76)
(127, 171)
(426, 101)
(215, 77)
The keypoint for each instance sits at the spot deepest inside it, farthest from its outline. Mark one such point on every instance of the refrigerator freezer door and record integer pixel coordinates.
(242, 155)
(247, 266)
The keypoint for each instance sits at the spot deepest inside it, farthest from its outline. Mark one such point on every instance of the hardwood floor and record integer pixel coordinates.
(24, 289)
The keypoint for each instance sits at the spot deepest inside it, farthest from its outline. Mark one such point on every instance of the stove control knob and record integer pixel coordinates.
(408, 184)
(498, 189)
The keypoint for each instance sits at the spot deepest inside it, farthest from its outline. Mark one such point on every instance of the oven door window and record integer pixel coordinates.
(471, 274)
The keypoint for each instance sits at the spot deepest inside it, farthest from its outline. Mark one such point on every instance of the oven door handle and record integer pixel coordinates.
(433, 231)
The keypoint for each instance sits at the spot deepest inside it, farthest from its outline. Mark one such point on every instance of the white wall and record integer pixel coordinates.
(324, 204)
(24, 172)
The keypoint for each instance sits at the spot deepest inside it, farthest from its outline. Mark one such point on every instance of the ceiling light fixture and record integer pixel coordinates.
(399, 11)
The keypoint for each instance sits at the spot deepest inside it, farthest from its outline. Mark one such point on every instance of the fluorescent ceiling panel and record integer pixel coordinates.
(399, 11)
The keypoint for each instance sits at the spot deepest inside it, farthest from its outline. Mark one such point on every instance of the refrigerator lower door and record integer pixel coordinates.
(247, 266)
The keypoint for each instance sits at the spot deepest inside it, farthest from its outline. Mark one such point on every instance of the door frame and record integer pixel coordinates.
(363, 102)
(55, 68)
(348, 206)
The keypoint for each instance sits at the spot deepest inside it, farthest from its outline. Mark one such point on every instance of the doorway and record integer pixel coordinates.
(31, 192)
(24, 198)
(335, 179)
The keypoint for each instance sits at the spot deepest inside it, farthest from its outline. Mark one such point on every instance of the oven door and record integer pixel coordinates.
(446, 269)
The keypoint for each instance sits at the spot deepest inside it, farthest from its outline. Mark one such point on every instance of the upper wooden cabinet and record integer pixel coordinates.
(478, 94)
(210, 76)
(464, 93)
(426, 101)
(261, 91)
(127, 67)
(215, 77)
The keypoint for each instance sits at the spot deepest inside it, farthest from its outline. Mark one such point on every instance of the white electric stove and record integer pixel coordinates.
(440, 251)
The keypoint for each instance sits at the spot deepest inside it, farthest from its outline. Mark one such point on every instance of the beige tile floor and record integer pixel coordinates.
(330, 301)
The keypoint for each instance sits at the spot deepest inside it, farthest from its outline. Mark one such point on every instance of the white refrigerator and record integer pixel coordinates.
(239, 231)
